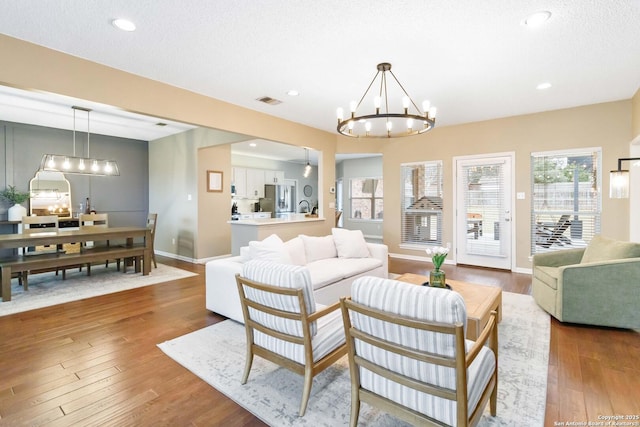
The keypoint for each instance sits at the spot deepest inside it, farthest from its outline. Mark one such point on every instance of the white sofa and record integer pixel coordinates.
(334, 262)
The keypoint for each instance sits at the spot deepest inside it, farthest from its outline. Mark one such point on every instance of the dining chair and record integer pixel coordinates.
(95, 221)
(408, 355)
(152, 219)
(37, 225)
(283, 323)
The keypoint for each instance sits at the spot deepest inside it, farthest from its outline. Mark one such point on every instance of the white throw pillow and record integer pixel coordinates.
(350, 243)
(295, 248)
(270, 249)
(316, 248)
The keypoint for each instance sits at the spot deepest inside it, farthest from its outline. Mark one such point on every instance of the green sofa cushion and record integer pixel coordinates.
(604, 249)
(547, 275)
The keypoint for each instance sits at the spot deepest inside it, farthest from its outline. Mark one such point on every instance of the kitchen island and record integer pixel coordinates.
(244, 231)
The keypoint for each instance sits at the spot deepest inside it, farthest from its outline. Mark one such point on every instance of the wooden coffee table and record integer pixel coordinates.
(480, 300)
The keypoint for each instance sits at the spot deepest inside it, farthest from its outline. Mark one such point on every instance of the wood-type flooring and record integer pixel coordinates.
(95, 362)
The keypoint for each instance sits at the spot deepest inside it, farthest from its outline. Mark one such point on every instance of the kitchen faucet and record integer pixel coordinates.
(308, 205)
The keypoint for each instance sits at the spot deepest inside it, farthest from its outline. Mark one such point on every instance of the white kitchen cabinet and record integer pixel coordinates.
(240, 182)
(255, 183)
(273, 177)
(261, 215)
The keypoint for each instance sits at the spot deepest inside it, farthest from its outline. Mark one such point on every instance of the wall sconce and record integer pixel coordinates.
(619, 180)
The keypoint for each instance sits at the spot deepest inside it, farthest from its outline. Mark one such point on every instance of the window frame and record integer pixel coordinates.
(585, 212)
(372, 199)
(406, 199)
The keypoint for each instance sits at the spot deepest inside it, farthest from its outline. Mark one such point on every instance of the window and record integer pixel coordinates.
(567, 201)
(421, 204)
(366, 198)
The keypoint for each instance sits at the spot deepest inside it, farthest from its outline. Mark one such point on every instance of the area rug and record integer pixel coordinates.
(46, 289)
(216, 354)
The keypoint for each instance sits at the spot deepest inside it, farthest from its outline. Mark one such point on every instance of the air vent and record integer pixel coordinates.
(269, 100)
(161, 124)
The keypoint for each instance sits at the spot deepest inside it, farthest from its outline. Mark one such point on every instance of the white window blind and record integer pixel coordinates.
(483, 207)
(567, 201)
(422, 203)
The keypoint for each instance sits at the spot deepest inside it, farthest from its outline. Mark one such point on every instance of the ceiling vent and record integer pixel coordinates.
(161, 124)
(269, 100)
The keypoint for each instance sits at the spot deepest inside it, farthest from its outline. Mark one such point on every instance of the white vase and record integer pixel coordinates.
(16, 212)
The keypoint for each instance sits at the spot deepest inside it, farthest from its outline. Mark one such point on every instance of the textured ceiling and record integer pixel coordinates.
(474, 59)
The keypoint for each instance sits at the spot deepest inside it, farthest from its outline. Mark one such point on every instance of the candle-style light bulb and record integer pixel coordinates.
(376, 102)
(425, 106)
(340, 113)
(352, 106)
(405, 102)
(432, 112)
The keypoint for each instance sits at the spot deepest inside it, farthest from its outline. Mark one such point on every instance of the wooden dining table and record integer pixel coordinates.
(61, 237)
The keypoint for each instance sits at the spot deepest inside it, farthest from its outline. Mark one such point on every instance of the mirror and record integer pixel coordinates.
(50, 195)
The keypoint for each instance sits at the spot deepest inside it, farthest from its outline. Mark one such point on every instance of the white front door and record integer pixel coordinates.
(484, 210)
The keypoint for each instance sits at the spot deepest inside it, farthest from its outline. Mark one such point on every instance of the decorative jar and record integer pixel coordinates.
(437, 279)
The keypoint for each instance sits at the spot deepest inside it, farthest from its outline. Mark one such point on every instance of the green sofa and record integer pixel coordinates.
(596, 285)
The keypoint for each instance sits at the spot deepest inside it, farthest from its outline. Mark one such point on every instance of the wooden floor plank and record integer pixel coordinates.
(96, 361)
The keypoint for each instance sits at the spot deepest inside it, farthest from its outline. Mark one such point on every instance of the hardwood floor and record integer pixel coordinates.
(95, 362)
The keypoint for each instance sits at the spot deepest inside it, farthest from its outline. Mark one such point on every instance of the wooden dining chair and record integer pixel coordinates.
(91, 222)
(152, 219)
(37, 225)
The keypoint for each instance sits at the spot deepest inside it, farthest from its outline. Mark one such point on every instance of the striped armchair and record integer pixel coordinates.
(408, 355)
(283, 323)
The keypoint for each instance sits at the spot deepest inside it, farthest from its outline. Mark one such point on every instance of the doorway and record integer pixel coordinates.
(484, 207)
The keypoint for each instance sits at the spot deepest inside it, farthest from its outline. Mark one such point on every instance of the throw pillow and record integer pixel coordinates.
(604, 249)
(350, 243)
(316, 248)
(270, 249)
(295, 248)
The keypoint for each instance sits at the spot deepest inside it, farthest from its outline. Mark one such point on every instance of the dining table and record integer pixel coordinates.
(57, 238)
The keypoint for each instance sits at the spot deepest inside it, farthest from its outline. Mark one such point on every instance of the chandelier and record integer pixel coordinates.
(410, 120)
(79, 165)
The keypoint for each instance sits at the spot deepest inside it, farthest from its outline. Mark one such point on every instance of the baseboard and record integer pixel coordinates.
(175, 256)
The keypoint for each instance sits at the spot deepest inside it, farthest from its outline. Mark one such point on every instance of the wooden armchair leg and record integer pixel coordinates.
(306, 391)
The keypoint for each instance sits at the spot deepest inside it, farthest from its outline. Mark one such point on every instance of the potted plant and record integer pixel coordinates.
(15, 197)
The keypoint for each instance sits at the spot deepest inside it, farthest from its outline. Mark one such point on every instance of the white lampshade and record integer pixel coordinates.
(619, 184)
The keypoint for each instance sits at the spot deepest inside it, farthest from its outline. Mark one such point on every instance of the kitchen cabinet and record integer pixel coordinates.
(255, 183)
(240, 182)
(261, 215)
(273, 177)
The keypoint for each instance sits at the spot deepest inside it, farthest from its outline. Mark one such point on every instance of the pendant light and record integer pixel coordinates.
(80, 165)
(307, 168)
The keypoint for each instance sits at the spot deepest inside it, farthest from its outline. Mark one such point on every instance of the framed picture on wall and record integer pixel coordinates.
(214, 181)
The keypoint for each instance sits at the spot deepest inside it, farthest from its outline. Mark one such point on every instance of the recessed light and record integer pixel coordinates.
(253, 144)
(124, 24)
(543, 86)
(293, 92)
(537, 19)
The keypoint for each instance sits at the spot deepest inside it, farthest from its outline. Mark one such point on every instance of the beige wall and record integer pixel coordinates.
(609, 125)
(603, 125)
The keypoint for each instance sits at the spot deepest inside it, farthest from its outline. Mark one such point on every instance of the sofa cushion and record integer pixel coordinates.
(547, 275)
(350, 243)
(316, 248)
(271, 249)
(327, 271)
(295, 248)
(604, 249)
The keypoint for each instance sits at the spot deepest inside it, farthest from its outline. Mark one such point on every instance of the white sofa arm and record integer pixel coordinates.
(221, 288)
(381, 252)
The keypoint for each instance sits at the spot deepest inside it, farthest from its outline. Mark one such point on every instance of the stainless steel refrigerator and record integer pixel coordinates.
(280, 200)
